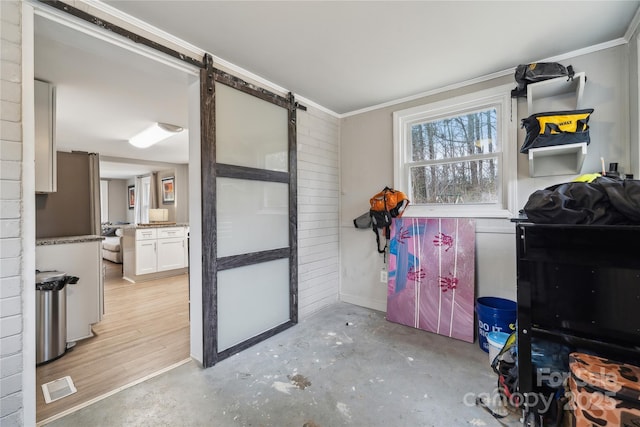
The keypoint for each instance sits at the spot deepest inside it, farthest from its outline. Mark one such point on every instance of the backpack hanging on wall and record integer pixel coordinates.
(385, 206)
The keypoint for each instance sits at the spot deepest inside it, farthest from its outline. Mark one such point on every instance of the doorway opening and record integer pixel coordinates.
(105, 94)
(202, 283)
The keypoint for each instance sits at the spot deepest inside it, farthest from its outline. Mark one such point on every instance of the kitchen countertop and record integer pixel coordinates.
(159, 225)
(68, 239)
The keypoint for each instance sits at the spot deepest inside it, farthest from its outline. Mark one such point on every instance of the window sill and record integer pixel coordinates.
(424, 211)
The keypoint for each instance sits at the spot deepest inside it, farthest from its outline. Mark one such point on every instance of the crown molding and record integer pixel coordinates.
(557, 58)
(633, 26)
(309, 103)
(586, 50)
(430, 92)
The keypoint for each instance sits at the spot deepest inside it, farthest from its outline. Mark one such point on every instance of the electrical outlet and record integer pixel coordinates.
(383, 276)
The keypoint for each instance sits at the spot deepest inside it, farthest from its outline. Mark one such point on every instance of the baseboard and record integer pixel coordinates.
(154, 276)
(365, 302)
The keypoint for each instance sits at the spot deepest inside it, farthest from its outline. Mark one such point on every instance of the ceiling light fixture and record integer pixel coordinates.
(154, 134)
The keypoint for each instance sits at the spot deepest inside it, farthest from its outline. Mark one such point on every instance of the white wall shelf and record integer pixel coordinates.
(557, 160)
(539, 94)
(556, 95)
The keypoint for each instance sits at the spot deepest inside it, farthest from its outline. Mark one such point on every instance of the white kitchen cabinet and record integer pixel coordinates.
(146, 251)
(80, 257)
(171, 248)
(146, 257)
(170, 232)
(170, 253)
(151, 253)
(45, 137)
(146, 234)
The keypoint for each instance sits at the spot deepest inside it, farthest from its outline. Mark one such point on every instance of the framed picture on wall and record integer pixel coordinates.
(131, 196)
(168, 190)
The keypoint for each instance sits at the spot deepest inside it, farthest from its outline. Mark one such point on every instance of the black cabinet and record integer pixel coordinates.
(578, 290)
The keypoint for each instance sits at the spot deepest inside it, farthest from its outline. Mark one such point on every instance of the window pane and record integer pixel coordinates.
(146, 195)
(452, 137)
(251, 300)
(104, 201)
(252, 216)
(456, 183)
(250, 131)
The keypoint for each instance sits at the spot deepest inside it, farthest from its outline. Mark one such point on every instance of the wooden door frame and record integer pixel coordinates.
(211, 264)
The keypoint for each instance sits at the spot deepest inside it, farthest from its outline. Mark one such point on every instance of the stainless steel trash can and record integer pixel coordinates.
(51, 314)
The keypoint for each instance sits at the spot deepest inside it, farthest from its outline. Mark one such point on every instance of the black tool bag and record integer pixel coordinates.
(606, 201)
(556, 128)
(537, 72)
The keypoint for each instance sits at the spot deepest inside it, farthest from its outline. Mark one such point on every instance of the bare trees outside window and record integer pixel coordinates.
(458, 156)
(445, 152)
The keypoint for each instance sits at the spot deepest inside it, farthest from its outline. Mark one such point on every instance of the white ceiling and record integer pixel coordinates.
(342, 55)
(106, 94)
(349, 55)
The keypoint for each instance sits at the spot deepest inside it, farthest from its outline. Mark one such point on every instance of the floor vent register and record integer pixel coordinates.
(58, 389)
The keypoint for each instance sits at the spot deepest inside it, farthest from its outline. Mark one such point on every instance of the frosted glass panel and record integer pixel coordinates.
(252, 216)
(249, 131)
(251, 300)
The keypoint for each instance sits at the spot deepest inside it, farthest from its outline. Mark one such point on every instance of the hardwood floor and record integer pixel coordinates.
(145, 329)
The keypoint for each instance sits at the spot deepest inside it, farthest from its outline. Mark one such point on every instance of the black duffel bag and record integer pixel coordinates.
(537, 72)
(556, 128)
(606, 201)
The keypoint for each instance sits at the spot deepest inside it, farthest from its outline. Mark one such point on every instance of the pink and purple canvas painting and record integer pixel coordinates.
(431, 275)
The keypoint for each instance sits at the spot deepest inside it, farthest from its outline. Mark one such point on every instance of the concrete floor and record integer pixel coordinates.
(343, 366)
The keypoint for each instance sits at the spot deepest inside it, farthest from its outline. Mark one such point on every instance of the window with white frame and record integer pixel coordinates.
(145, 198)
(104, 201)
(458, 157)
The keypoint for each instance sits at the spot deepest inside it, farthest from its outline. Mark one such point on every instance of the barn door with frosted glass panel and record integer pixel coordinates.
(255, 269)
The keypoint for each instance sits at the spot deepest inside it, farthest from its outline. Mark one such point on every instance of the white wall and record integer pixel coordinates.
(11, 256)
(607, 92)
(182, 194)
(634, 104)
(170, 207)
(367, 166)
(117, 200)
(131, 213)
(179, 210)
(318, 207)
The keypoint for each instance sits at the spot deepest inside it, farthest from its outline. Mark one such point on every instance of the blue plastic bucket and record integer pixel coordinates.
(494, 315)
